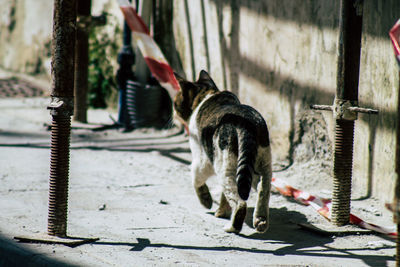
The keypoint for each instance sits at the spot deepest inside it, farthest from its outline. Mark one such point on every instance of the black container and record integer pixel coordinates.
(143, 104)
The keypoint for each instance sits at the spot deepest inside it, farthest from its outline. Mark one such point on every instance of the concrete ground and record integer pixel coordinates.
(133, 192)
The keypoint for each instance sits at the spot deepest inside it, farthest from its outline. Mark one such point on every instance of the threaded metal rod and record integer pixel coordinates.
(59, 169)
(343, 166)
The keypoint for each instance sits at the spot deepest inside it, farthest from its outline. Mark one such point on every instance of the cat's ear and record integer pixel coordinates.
(205, 78)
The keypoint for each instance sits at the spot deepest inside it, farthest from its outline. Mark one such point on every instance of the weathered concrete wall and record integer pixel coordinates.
(375, 141)
(280, 56)
(25, 35)
(26, 29)
(277, 55)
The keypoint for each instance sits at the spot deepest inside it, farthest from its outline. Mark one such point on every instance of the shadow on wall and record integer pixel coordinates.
(308, 12)
(232, 59)
(285, 84)
(190, 36)
(163, 32)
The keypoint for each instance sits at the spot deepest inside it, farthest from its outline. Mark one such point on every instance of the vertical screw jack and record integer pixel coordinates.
(59, 170)
(342, 172)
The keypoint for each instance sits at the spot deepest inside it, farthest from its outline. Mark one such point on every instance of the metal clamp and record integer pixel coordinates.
(345, 109)
(342, 110)
(61, 106)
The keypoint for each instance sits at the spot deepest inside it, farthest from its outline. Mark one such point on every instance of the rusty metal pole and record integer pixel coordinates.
(82, 60)
(61, 109)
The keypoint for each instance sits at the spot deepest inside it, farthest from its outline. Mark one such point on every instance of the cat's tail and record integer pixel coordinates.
(247, 149)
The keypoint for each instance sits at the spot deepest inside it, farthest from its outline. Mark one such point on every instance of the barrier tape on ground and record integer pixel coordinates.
(152, 54)
(323, 206)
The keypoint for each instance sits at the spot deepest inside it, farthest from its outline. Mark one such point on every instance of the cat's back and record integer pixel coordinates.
(224, 108)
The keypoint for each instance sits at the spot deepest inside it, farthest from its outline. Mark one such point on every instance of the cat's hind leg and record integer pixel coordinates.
(225, 166)
(224, 210)
(239, 207)
(261, 212)
(201, 171)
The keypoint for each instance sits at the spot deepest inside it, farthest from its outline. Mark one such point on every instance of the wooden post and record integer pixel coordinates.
(82, 60)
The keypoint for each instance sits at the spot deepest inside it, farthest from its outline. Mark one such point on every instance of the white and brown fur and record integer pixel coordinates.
(230, 140)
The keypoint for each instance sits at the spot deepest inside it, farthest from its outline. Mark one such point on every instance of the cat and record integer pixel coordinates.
(230, 140)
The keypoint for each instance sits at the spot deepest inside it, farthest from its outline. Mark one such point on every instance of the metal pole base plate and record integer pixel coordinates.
(49, 239)
(331, 230)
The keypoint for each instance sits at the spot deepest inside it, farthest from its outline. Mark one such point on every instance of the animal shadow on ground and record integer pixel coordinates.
(284, 229)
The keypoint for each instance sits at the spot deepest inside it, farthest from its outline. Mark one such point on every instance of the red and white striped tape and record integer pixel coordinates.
(394, 34)
(152, 54)
(323, 206)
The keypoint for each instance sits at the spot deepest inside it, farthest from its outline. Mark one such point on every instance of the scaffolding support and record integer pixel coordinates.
(345, 107)
(61, 110)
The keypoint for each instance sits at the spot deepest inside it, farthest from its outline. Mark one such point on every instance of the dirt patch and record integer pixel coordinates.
(16, 87)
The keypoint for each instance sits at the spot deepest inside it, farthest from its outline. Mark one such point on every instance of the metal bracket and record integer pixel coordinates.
(61, 106)
(341, 110)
